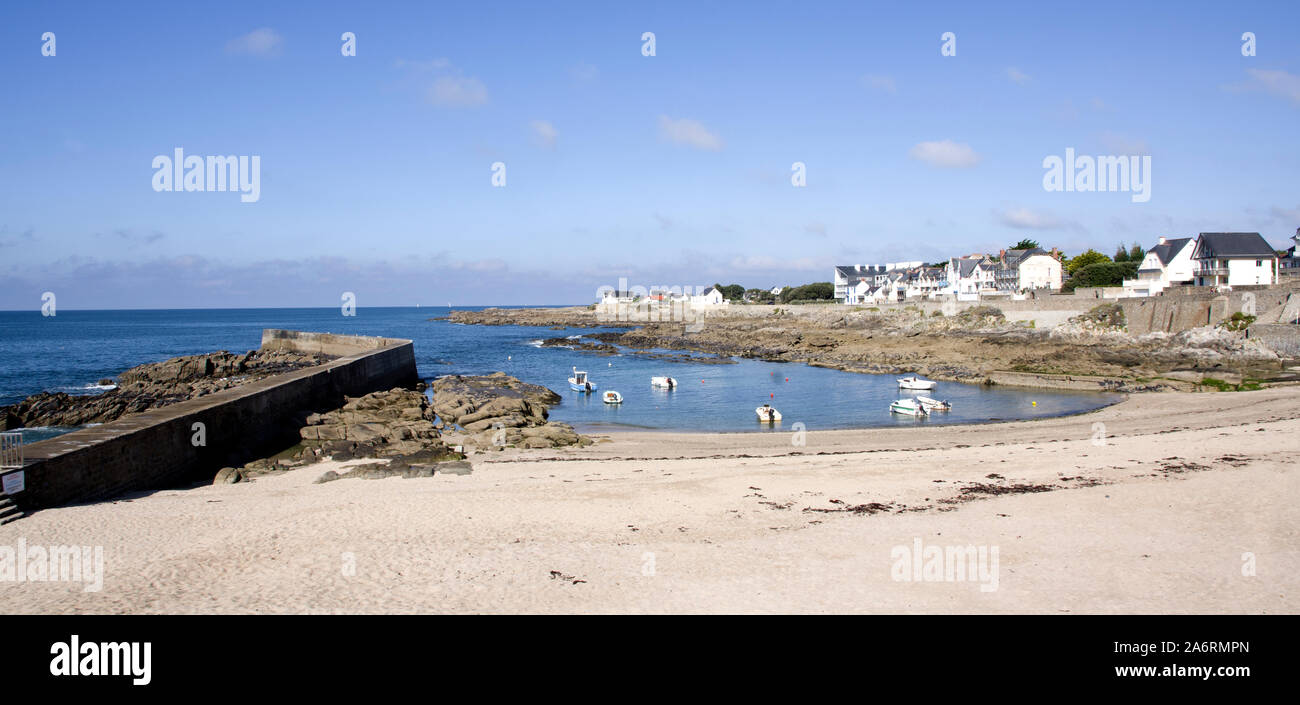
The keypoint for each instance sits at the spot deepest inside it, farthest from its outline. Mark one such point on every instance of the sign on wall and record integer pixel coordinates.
(14, 482)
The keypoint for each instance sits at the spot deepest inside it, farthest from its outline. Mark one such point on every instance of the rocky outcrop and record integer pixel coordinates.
(396, 424)
(570, 317)
(155, 385)
(497, 411)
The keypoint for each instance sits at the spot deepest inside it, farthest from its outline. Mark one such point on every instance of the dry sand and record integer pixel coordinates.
(658, 522)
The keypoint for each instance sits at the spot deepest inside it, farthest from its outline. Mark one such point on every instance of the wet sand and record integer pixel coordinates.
(1160, 509)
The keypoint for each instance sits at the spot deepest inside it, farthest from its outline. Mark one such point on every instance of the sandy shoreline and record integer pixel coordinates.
(1157, 519)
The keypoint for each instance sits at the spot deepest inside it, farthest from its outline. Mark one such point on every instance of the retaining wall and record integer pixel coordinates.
(156, 448)
(1281, 338)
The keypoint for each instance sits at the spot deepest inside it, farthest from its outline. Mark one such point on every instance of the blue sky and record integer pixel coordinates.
(668, 170)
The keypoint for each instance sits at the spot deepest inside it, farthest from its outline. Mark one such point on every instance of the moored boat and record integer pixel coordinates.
(612, 397)
(915, 383)
(908, 407)
(663, 382)
(579, 382)
(930, 404)
(768, 413)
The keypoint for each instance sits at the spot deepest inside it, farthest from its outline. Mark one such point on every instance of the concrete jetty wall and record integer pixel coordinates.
(157, 448)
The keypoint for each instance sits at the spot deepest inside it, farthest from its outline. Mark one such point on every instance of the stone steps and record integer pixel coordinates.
(9, 511)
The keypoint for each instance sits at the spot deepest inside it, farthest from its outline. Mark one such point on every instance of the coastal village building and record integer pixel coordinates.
(1290, 264)
(1023, 270)
(968, 277)
(1234, 259)
(1167, 264)
(848, 276)
(711, 297)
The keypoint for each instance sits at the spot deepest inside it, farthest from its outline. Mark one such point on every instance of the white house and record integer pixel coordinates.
(1167, 264)
(1022, 270)
(968, 277)
(859, 292)
(710, 297)
(1234, 259)
(846, 276)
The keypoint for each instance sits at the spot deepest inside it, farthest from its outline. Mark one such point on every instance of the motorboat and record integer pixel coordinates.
(768, 413)
(663, 382)
(612, 397)
(930, 404)
(908, 407)
(915, 383)
(579, 382)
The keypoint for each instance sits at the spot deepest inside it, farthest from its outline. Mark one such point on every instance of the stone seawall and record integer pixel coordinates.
(1281, 338)
(158, 448)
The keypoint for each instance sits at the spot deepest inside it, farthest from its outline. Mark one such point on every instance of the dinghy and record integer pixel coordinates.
(663, 382)
(915, 383)
(579, 382)
(930, 404)
(612, 397)
(908, 407)
(768, 414)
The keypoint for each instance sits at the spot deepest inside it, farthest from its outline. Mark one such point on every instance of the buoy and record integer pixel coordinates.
(1034, 403)
(771, 396)
(787, 379)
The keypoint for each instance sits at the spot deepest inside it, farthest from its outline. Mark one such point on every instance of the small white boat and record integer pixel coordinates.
(930, 404)
(908, 407)
(612, 397)
(768, 413)
(663, 382)
(915, 383)
(579, 382)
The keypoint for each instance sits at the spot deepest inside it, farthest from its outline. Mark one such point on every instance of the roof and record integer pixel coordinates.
(1211, 245)
(857, 270)
(1169, 249)
(1013, 257)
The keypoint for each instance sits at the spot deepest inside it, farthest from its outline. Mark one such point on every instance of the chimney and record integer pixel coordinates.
(1002, 254)
(1162, 240)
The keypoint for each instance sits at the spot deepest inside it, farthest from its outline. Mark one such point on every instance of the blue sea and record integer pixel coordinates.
(71, 351)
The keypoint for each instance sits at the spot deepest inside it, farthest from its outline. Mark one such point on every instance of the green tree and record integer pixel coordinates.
(1084, 259)
(1121, 253)
(1136, 253)
(1101, 274)
(1025, 244)
(732, 292)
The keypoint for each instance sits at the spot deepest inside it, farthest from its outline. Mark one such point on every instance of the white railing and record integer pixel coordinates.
(11, 450)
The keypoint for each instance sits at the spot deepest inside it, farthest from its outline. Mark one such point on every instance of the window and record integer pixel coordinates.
(1259, 263)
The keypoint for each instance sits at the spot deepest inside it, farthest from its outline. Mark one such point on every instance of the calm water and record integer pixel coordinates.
(71, 351)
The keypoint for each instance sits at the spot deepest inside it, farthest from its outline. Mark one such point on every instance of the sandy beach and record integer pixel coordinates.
(1165, 503)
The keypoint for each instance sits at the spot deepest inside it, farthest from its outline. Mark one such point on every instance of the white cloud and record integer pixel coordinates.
(259, 42)
(946, 153)
(545, 133)
(1279, 83)
(1025, 219)
(457, 91)
(688, 132)
(1017, 76)
(882, 83)
(584, 72)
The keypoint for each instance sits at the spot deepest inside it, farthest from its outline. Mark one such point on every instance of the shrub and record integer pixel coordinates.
(1101, 274)
(1237, 322)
